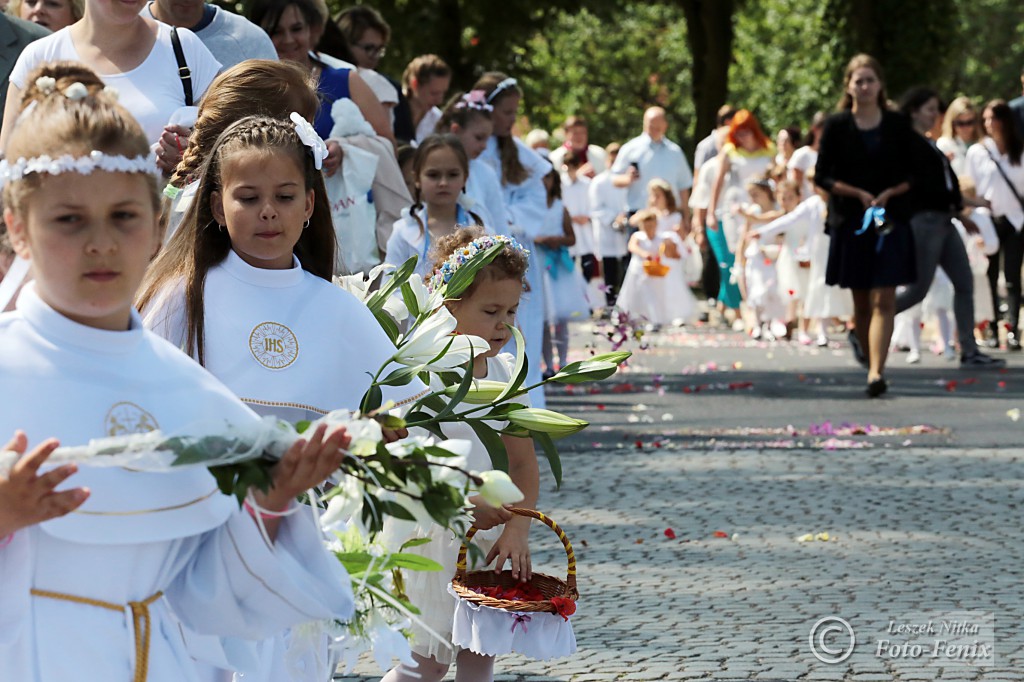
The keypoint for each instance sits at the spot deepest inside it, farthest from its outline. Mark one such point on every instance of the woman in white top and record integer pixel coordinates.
(996, 169)
(805, 157)
(425, 82)
(960, 129)
(133, 55)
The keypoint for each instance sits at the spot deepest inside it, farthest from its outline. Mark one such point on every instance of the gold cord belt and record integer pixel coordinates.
(140, 621)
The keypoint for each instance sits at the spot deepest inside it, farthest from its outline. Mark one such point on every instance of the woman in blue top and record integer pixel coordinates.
(288, 24)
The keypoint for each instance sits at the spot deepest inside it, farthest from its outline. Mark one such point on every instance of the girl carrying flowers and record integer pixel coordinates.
(486, 309)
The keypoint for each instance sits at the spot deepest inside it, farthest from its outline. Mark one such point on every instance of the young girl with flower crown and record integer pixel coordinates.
(143, 552)
(485, 309)
(440, 168)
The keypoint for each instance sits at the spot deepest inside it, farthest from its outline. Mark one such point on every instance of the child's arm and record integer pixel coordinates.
(27, 498)
(634, 246)
(514, 543)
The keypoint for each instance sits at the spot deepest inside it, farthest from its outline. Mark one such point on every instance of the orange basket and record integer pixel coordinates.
(655, 268)
(551, 587)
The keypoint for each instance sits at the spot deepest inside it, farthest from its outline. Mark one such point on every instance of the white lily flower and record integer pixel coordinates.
(498, 489)
(396, 308)
(430, 338)
(426, 300)
(343, 510)
(388, 642)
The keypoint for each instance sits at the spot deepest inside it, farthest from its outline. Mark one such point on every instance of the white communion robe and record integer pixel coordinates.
(527, 205)
(138, 534)
(292, 345)
(286, 342)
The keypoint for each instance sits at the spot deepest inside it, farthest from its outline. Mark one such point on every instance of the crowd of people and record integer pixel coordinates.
(215, 171)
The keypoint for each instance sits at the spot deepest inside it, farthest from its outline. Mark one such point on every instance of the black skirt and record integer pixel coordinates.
(855, 261)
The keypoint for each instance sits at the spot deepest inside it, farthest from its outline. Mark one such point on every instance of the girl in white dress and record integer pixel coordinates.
(440, 168)
(96, 572)
(565, 291)
(654, 287)
(468, 117)
(660, 199)
(757, 267)
(485, 310)
(522, 172)
(792, 265)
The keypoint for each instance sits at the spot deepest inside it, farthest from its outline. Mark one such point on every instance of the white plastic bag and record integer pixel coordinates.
(353, 212)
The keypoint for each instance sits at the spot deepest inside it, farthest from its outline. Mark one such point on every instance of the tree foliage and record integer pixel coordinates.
(609, 71)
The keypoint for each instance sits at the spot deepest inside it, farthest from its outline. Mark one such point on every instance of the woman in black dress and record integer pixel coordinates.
(865, 163)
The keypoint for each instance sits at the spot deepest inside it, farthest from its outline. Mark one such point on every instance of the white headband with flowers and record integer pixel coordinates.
(462, 255)
(84, 165)
(474, 99)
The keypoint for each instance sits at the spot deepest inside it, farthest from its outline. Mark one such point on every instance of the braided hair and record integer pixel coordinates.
(199, 245)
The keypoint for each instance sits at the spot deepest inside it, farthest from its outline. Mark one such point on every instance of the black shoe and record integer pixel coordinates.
(979, 360)
(877, 387)
(858, 352)
(1012, 341)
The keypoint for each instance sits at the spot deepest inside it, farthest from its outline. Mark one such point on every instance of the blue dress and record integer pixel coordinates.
(332, 86)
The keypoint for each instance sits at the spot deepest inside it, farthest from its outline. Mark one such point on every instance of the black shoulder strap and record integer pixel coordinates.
(183, 71)
(999, 167)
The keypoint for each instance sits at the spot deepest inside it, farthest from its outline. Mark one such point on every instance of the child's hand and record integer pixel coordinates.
(307, 464)
(485, 516)
(514, 546)
(171, 147)
(27, 499)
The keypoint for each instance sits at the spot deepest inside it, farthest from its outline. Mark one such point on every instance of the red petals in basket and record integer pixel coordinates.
(522, 592)
(565, 606)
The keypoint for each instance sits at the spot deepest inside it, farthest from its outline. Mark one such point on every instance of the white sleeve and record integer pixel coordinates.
(399, 250)
(527, 206)
(29, 59)
(165, 315)
(976, 156)
(786, 222)
(236, 585)
(494, 198)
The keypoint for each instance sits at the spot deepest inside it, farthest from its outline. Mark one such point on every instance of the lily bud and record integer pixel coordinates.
(482, 392)
(554, 424)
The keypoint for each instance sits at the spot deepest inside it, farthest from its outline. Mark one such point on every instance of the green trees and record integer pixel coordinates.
(609, 59)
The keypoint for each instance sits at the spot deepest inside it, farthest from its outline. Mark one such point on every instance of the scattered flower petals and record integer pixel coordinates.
(670, 534)
(720, 534)
(1013, 414)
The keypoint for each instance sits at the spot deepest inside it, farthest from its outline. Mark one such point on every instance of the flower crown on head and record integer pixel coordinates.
(462, 255)
(501, 87)
(310, 138)
(12, 171)
(75, 91)
(474, 99)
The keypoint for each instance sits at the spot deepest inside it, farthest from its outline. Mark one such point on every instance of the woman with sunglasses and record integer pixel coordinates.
(961, 128)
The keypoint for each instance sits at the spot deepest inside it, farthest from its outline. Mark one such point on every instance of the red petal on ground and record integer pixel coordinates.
(670, 534)
(720, 534)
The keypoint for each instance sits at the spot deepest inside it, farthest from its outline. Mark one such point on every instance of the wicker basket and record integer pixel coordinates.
(655, 268)
(550, 587)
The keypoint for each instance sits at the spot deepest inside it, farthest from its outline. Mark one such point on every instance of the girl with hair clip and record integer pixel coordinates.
(440, 168)
(253, 87)
(485, 309)
(661, 201)
(468, 117)
(522, 174)
(236, 285)
(81, 201)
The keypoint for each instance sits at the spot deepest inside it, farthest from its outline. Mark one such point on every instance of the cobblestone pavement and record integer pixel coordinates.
(920, 497)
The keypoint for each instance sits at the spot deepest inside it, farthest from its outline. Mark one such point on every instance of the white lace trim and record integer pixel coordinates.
(96, 160)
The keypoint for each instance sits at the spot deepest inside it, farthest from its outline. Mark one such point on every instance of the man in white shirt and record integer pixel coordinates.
(608, 221)
(230, 37)
(650, 156)
(577, 140)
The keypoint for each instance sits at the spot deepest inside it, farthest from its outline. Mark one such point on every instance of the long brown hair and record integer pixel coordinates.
(255, 87)
(199, 245)
(862, 61)
(1012, 141)
(513, 172)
